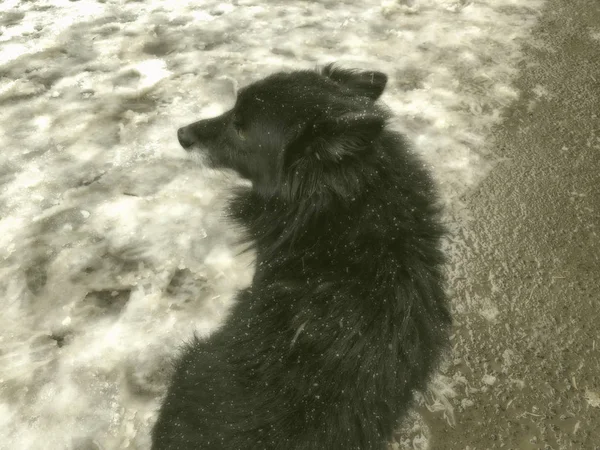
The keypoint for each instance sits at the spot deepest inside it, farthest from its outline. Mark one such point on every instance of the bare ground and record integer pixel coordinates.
(526, 357)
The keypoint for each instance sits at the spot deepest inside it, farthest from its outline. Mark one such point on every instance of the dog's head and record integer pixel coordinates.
(291, 133)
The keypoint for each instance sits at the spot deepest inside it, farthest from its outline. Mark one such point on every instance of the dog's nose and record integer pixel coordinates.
(185, 138)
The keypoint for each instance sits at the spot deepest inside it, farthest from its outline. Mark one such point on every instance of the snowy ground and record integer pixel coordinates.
(112, 245)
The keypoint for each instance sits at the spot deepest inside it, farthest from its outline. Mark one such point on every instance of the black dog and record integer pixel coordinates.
(347, 314)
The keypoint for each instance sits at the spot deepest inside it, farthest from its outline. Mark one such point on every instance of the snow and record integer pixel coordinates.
(113, 248)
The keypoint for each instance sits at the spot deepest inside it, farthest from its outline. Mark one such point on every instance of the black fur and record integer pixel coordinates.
(347, 314)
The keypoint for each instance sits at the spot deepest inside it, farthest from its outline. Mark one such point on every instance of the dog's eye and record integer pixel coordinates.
(237, 126)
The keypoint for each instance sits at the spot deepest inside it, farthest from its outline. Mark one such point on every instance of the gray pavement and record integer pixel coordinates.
(531, 369)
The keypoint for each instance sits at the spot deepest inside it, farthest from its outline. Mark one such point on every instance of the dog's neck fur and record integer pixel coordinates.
(353, 224)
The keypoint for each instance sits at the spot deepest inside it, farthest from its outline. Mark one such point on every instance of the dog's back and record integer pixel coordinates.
(346, 315)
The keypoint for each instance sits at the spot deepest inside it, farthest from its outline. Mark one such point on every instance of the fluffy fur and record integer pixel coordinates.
(347, 314)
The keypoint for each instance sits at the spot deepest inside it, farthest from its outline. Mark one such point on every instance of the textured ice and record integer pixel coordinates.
(112, 245)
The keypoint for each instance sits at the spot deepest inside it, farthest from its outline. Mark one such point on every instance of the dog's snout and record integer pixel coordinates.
(185, 137)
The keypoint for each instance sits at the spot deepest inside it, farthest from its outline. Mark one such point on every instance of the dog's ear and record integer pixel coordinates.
(332, 139)
(312, 159)
(366, 83)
